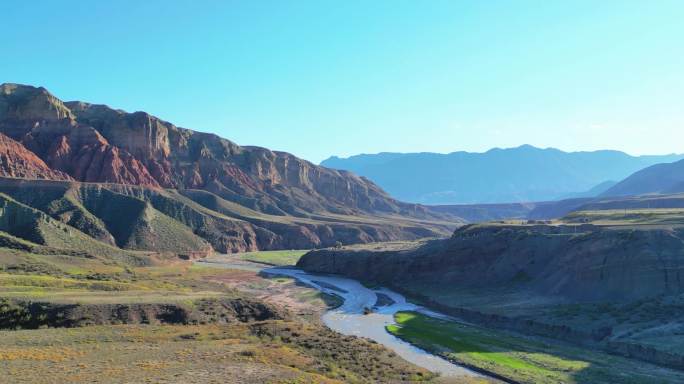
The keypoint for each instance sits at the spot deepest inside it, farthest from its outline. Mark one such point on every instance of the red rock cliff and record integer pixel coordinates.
(100, 144)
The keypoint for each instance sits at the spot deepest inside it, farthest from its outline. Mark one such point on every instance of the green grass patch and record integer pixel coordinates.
(39, 281)
(519, 358)
(311, 296)
(279, 258)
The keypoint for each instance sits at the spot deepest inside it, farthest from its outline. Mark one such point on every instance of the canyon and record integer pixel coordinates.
(608, 282)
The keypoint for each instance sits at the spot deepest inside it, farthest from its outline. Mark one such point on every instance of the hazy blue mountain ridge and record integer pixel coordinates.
(524, 173)
(665, 178)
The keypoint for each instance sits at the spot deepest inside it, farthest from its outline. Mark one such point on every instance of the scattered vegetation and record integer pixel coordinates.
(330, 301)
(194, 354)
(171, 321)
(631, 216)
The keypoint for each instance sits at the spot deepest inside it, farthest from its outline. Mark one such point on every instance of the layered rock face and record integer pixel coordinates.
(588, 263)
(17, 161)
(96, 143)
(46, 126)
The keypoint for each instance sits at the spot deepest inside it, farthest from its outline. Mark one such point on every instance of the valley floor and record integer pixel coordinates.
(238, 327)
(519, 358)
(283, 342)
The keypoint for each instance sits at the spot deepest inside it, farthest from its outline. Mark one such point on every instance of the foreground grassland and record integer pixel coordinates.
(266, 352)
(523, 359)
(279, 258)
(290, 347)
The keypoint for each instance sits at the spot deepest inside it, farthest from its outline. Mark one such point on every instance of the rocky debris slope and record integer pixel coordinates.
(44, 125)
(17, 161)
(187, 222)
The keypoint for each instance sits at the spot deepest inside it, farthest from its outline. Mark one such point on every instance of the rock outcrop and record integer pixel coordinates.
(46, 126)
(585, 263)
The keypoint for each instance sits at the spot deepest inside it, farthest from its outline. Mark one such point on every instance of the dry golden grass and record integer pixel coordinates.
(233, 353)
(184, 354)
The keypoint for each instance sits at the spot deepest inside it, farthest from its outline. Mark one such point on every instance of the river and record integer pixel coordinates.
(349, 318)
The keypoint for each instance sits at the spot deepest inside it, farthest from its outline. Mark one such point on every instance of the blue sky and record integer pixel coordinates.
(321, 78)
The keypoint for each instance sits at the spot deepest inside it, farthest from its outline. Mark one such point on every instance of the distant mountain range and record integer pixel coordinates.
(521, 174)
(667, 178)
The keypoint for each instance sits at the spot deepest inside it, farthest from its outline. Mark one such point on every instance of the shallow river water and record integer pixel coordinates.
(349, 318)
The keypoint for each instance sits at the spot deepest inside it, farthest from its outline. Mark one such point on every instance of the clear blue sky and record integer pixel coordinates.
(320, 78)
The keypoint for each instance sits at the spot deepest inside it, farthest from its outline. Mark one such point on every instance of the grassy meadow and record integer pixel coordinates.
(523, 359)
(277, 258)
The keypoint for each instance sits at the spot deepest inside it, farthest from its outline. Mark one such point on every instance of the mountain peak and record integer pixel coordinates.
(18, 101)
(22, 90)
(10, 88)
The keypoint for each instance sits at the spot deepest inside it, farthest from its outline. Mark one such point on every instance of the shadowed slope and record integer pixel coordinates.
(143, 218)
